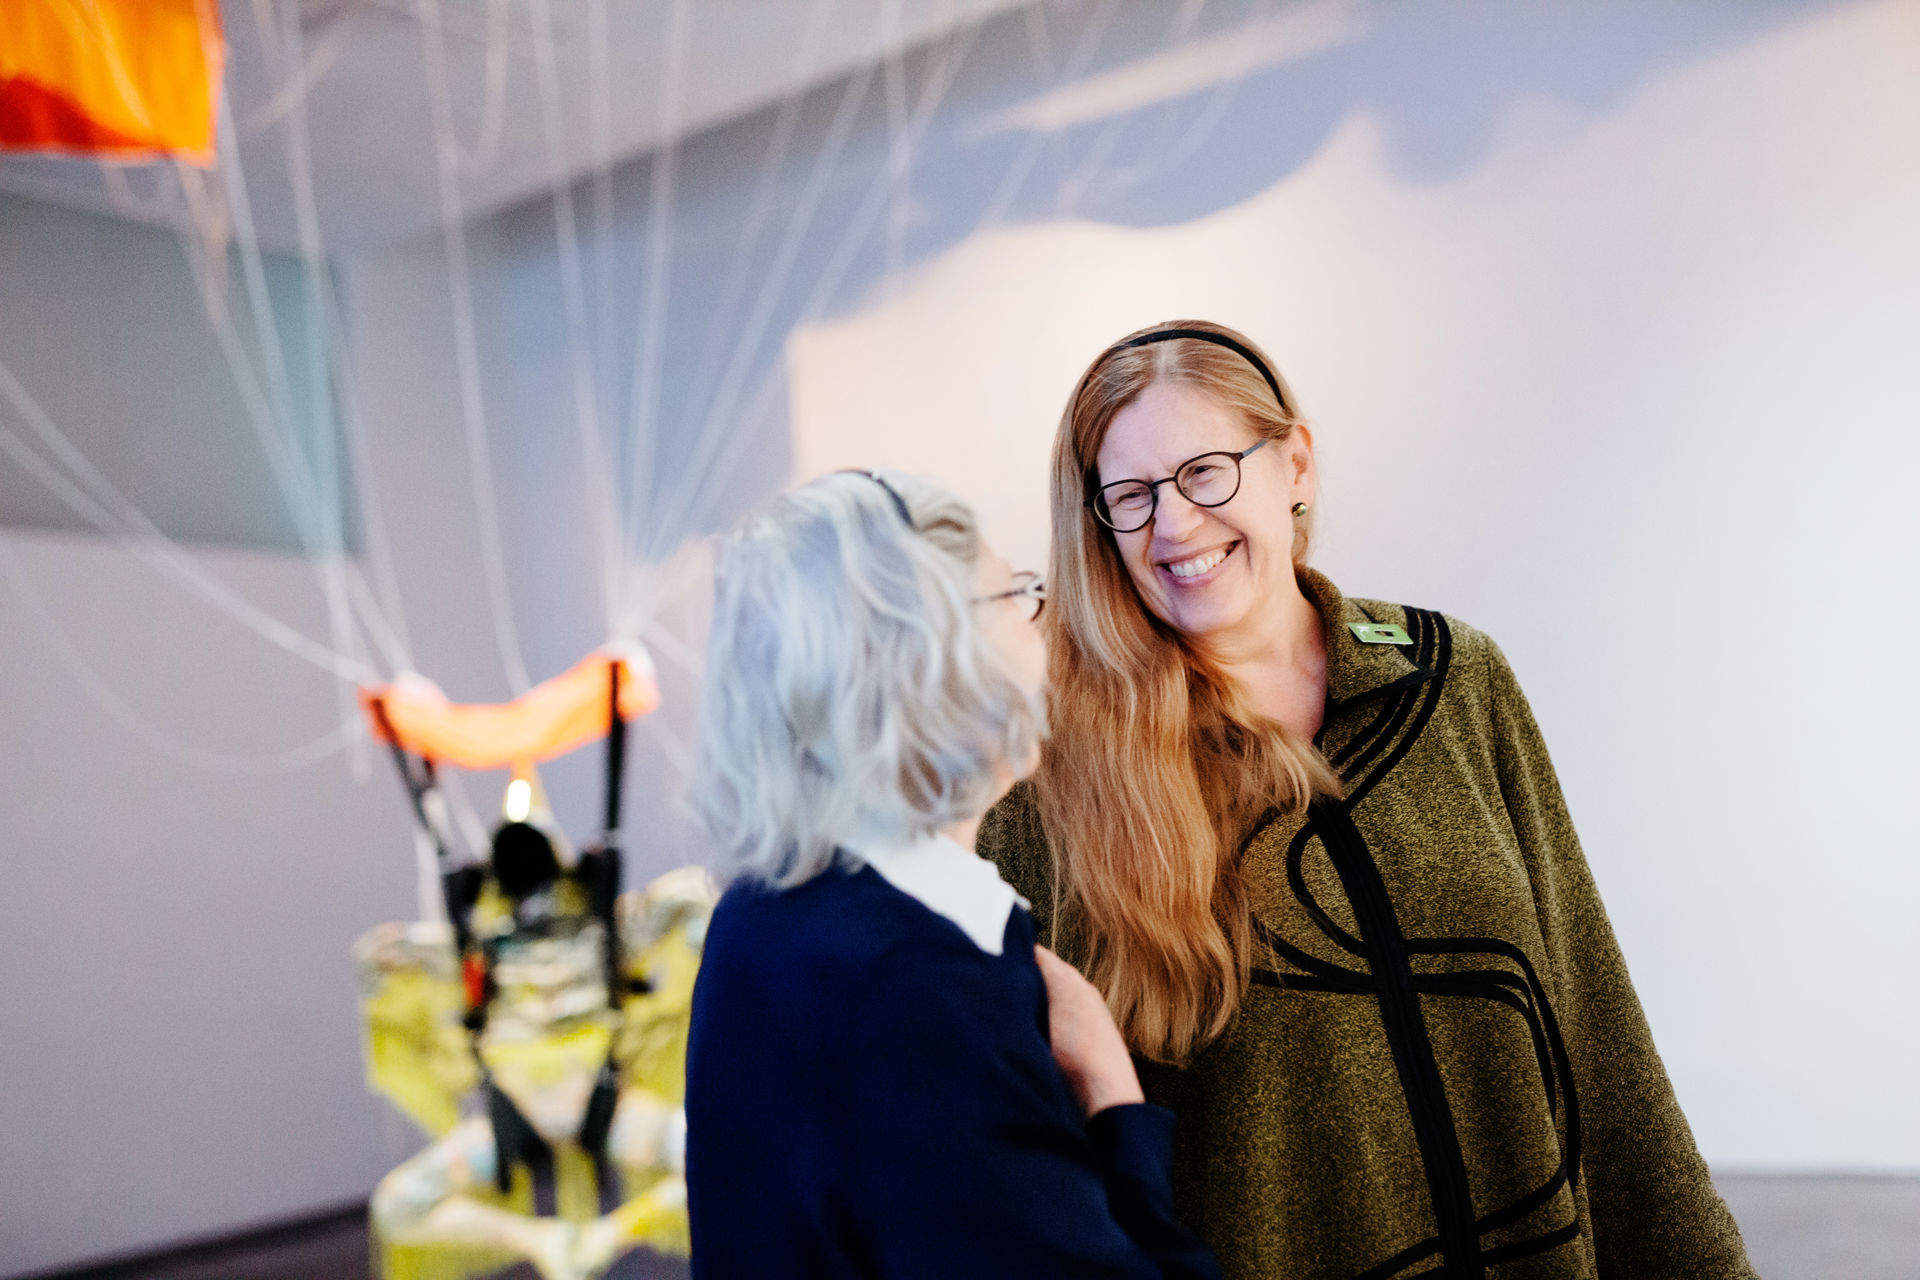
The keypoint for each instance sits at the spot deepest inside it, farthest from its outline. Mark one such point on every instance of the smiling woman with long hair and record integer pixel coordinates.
(1312, 850)
(884, 1076)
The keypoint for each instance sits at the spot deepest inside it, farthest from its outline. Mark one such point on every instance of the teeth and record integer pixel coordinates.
(1198, 565)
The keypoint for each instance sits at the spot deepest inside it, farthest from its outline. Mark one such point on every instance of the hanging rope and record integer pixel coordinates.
(644, 408)
(673, 521)
(253, 764)
(313, 68)
(722, 325)
(704, 471)
(602, 501)
(121, 520)
(466, 351)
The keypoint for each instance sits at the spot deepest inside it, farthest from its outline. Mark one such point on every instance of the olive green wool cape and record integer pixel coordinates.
(1441, 1068)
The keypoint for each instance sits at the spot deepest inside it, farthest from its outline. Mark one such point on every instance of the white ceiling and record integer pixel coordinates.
(370, 111)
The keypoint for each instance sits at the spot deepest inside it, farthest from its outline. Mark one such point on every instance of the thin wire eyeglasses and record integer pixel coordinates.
(1207, 480)
(1029, 592)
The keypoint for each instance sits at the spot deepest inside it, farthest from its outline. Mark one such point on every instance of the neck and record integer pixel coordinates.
(1280, 632)
(1278, 657)
(964, 832)
(967, 830)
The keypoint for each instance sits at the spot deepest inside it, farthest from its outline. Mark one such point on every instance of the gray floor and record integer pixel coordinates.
(331, 1247)
(1797, 1228)
(1827, 1228)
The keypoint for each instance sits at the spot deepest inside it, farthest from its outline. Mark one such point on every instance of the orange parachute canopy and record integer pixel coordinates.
(126, 79)
(550, 719)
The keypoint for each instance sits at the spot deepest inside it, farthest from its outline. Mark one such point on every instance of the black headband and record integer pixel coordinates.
(1240, 349)
(900, 503)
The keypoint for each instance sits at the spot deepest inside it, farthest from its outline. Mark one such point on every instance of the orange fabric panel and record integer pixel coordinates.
(550, 719)
(116, 78)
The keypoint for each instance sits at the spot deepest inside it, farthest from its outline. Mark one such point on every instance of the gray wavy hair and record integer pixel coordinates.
(850, 696)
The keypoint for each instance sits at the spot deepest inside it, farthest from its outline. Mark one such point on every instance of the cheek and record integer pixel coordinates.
(1036, 681)
(1133, 554)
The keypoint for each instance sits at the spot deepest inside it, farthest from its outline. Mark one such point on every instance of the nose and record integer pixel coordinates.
(1175, 518)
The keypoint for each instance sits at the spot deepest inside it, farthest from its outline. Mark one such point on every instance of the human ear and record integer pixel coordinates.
(1303, 478)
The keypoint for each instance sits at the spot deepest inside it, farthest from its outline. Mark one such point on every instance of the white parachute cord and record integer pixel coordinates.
(779, 144)
(709, 486)
(1016, 175)
(127, 525)
(644, 408)
(207, 220)
(861, 224)
(329, 419)
(899, 146)
(493, 109)
(266, 328)
(159, 207)
(206, 236)
(466, 352)
(718, 418)
(1149, 155)
(1075, 185)
(705, 469)
(266, 25)
(1209, 117)
(313, 67)
(116, 708)
(1040, 50)
(282, 462)
(602, 513)
(315, 512)
(672, 647)
(278, 433)
(392, 645)
(389, 609)
(325, 419)
(1212, 111)
(281, 459)
(600, 138)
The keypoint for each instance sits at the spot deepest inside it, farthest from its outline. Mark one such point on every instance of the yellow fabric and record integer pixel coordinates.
(576, 1198)
(416, 1047)
(418, 1057)
(653, 1035)
(121, 78)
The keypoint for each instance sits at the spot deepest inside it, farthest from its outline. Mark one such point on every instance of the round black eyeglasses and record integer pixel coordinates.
(1029, 592)
(1209, 480)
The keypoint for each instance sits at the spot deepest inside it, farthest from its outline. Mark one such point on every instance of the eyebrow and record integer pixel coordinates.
(1094, 470)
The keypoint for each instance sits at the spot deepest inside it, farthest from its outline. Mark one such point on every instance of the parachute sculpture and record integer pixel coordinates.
(551, 1003)
(120, 79)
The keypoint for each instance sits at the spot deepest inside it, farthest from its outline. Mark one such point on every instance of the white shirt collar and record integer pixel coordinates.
(950, 881)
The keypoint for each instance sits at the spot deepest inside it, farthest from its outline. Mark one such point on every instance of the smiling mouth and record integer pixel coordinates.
(1199, 565)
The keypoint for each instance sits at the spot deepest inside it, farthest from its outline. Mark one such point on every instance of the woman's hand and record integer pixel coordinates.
(1086, 1043)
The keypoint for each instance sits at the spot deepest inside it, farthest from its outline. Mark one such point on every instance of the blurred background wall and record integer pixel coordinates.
(1602, 314)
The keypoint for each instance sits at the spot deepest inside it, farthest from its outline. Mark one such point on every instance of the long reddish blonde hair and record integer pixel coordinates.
(1156, 765)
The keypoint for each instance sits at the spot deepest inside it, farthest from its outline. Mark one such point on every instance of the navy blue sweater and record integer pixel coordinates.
(870, 1094)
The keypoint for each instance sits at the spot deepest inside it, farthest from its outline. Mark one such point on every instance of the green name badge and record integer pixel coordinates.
(1379, 633)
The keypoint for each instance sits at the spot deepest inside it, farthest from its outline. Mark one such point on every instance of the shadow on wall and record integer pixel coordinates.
(1147, 113)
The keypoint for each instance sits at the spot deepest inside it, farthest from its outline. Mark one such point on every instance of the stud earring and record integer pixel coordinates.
(1299, 509)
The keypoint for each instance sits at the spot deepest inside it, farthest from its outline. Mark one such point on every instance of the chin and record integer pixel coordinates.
(1199, 618)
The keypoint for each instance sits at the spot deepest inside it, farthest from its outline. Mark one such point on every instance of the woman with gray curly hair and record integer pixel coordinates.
(885, 1076)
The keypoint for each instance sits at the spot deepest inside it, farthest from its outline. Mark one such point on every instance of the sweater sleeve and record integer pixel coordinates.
(969, 1159)
(1655, 1212)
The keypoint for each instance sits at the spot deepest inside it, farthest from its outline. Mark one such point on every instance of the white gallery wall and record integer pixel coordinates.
(183, 1048)
(1602, 315)
(1633, 392)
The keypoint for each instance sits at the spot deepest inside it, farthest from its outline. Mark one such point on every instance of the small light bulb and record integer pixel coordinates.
(519, 800)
